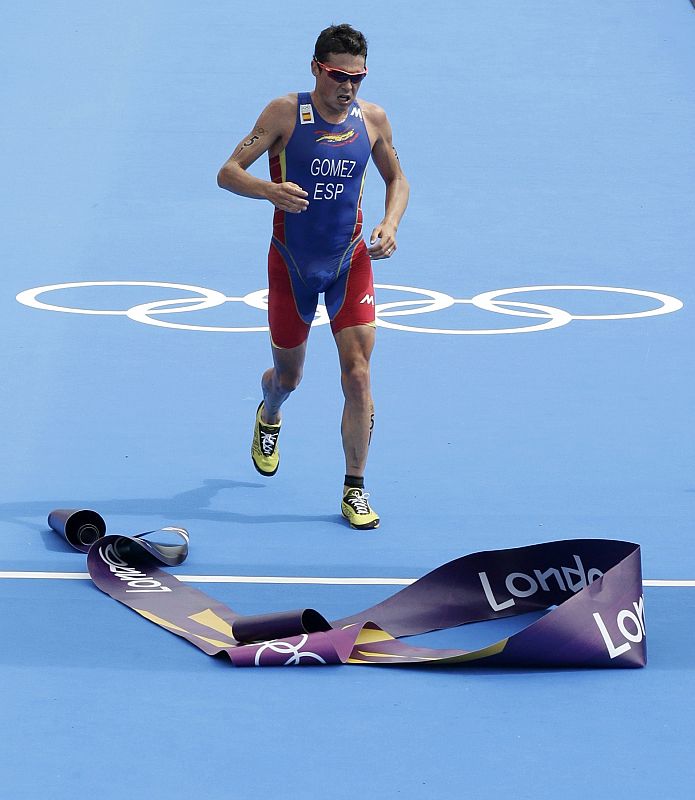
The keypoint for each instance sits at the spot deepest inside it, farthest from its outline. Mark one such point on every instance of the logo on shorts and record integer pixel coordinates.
(368, 299)
(337, 139)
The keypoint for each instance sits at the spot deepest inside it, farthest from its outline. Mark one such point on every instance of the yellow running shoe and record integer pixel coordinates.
(356, 510)
(264, 449)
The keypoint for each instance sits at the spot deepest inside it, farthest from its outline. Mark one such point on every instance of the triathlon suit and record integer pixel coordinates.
(320, 250)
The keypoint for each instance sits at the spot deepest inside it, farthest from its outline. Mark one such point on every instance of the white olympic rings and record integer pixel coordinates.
(294, 651)
(550, 317)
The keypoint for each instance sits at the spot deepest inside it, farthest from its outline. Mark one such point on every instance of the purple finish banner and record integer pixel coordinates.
(592, 589)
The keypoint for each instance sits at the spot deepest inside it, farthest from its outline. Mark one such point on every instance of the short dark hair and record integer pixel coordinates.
(340, 39)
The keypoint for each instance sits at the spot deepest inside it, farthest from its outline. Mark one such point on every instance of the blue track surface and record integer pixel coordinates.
(547, 145)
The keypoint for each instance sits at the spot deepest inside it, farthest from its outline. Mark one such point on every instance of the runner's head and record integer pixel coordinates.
(339, 64)
(340, 39)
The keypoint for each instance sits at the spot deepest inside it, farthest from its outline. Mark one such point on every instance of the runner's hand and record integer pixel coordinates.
(288, 197)
(382, 241)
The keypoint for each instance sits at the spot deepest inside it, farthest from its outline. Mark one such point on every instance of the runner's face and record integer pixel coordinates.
(337, 96)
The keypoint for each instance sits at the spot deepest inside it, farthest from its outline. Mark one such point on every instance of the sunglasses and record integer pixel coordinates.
(340, 76)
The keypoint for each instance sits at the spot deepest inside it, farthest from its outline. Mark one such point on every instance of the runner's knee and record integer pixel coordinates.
(355, 380)
(288, 379)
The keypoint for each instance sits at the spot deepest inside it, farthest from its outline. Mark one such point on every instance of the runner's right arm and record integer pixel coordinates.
(270, 133)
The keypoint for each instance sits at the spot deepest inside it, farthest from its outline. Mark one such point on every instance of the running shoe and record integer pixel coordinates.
(264, 449)
(356, 510)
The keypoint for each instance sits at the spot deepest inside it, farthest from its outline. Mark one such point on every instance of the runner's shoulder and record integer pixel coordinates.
(282, 107)
(278, 118)
(375, 114)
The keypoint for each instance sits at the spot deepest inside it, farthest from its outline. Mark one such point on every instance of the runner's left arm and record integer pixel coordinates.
(383, 238)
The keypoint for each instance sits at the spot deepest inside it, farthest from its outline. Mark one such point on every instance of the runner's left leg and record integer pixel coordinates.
(350, 304)
(355, 345)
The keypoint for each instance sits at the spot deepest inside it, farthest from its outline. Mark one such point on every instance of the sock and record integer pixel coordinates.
(354, 482)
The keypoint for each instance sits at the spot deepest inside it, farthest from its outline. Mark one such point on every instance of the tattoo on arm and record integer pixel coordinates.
(395, 152)
(253, 138)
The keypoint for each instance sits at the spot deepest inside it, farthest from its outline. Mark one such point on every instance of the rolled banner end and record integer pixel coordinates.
(278, 624)
(80, 527)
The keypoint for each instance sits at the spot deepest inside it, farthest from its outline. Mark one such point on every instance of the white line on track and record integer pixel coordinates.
(667, 583)
(279, 579)
(80, 576)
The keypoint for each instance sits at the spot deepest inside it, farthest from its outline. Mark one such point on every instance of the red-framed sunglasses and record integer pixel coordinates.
(340, 76)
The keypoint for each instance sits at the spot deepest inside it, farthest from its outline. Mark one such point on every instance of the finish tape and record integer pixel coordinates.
(591, 589)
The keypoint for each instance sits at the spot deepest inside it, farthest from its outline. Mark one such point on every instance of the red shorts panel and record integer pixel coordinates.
(287, 328)
(350, 301)
(291, 306)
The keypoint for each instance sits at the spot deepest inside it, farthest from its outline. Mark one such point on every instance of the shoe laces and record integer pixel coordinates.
(358, 501)
(268, 441)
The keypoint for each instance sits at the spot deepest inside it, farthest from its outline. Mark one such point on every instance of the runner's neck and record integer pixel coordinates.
(330, 116)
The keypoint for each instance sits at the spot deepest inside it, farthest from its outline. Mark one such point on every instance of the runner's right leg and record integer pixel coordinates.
(281, 380)
(277, 383)
(289, 332)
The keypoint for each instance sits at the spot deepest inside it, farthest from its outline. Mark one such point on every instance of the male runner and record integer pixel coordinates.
(319, 144)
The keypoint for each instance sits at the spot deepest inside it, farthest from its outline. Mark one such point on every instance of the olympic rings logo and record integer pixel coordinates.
(543, 317)
(294, 651)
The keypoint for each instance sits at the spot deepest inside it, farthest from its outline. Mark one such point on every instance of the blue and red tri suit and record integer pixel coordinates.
(320, 250)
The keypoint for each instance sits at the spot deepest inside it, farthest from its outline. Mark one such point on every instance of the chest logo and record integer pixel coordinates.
(337, 139)
(306, 114)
